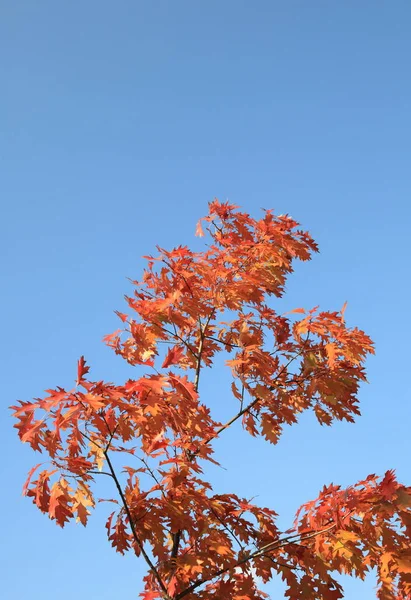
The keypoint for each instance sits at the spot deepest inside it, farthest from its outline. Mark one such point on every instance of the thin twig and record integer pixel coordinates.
(99, 473)
(209, 337)
(227, 529)
(280, 564)
(182, 340)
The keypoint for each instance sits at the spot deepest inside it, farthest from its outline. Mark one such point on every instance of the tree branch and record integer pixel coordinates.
(203, 329)
(99, 473)
(250, 405)
(214, 339)
(200, 349)
(134, 532)
(260, 552)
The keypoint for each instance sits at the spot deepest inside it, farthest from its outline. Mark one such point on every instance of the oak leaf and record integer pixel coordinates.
(174, 355)
(82, 370)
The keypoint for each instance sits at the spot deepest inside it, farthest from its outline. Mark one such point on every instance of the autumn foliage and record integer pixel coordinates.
(188, 308)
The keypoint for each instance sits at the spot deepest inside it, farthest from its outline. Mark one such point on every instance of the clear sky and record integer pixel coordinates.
(119, 121)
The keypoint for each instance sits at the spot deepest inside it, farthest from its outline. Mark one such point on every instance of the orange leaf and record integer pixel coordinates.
(343, 311)
(199, 229)
(331, 350)
(295, 311)
(93, 401)
(220, 549)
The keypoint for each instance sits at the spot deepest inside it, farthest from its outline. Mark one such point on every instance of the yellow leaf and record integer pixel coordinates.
(348, 536)
(385, 559)
(98, 454)
(341, 549)
(331, 350)
(222, 549)
(147, 354)
(82, 499)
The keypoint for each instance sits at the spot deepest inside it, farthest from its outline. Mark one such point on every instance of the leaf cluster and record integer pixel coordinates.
(189, 308)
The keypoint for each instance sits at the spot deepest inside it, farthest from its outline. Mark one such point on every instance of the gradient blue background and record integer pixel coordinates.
(119, 121)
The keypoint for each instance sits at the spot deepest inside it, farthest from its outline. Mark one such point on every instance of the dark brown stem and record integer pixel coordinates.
(133, 530)
(203, 329)
(227, 529)
(209, 337)
(176, 544)
(182, 340)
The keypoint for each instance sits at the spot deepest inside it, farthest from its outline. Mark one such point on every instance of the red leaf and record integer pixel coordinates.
(150, 595)
(172, 586)
(30, 432)
(82, 369)
(29, 476)
(59, 508)
(120, 537)
(158, 442)
(173, 357)
(108, 523)
(122, 316)
(388, 485)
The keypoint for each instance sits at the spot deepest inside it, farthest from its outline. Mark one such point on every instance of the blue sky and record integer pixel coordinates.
(119, 121)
